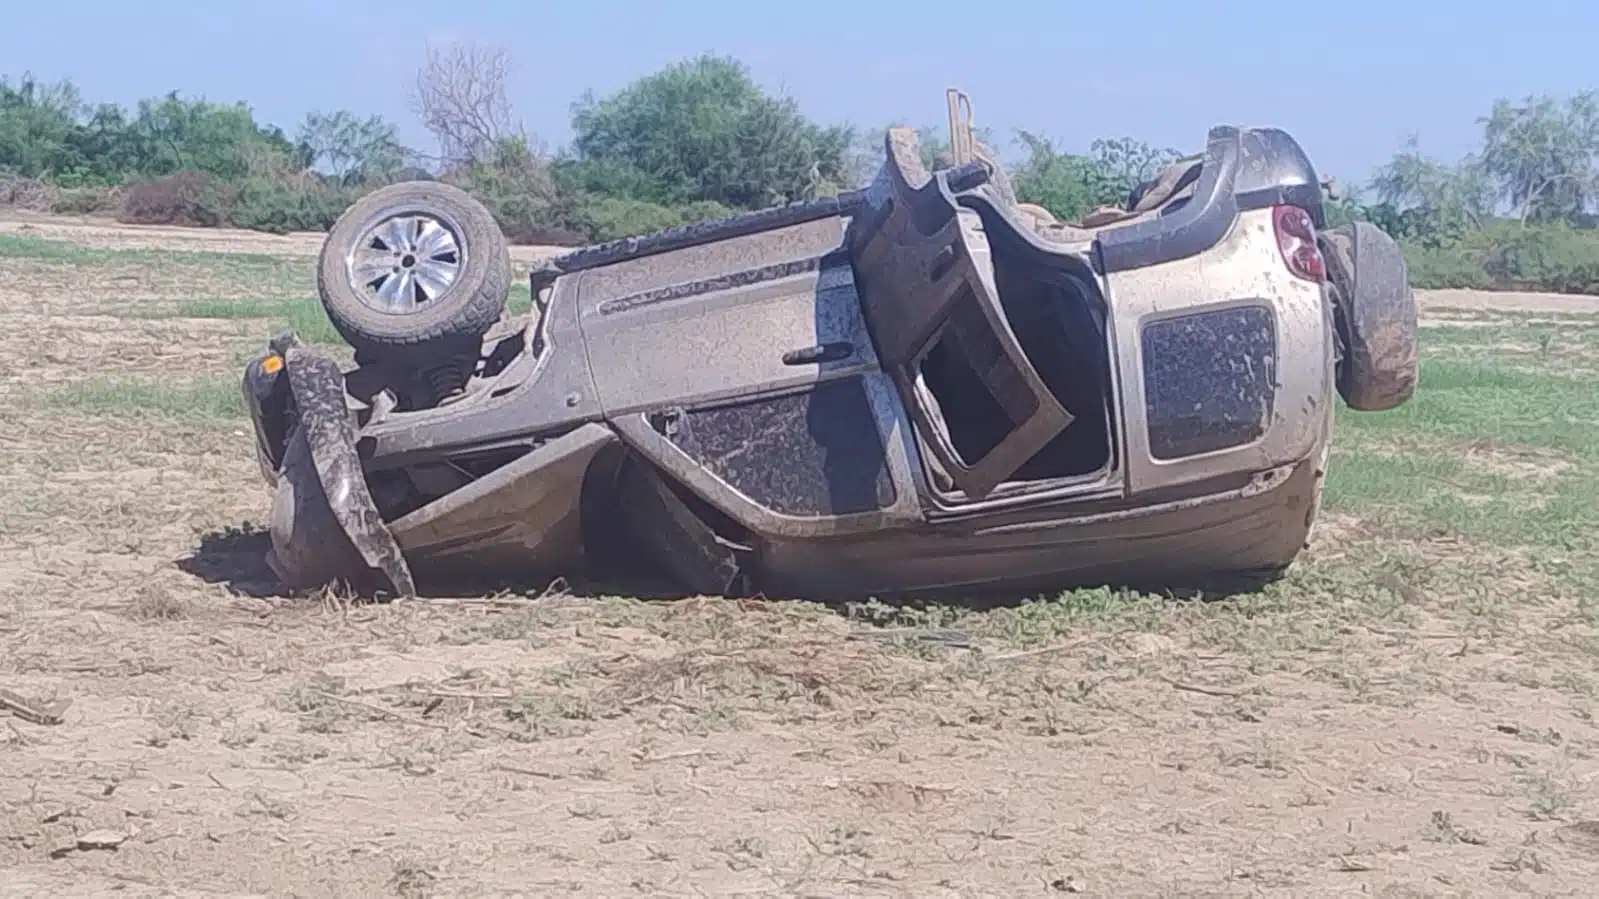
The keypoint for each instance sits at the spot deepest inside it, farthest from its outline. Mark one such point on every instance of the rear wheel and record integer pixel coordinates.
(413, 271)
(1375, 310)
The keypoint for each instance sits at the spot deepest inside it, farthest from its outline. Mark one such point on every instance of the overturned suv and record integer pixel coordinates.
(918, 387)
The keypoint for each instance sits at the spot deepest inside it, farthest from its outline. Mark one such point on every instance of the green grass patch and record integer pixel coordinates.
(309, 320)
(1469, 400)
(1436, 491)
(1521, 319)
(23, 246)
(520, 301)
(1489, 337)
(203, 399)
(305, 315)
(1544, 344)
(1499, 444)
(20, 246)
(213, 307)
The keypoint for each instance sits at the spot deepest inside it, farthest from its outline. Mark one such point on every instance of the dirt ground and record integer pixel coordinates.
(97, 233)
(1410, 714)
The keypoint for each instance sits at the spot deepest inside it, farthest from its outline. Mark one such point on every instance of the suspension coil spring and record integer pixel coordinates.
(447, 378)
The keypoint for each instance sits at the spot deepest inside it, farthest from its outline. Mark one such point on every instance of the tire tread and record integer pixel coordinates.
(463, 314)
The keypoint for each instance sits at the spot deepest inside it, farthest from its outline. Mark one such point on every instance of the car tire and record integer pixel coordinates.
(447, 284)
(1374, 309)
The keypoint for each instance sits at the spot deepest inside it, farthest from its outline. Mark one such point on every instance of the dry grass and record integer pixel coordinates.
(1410, 713)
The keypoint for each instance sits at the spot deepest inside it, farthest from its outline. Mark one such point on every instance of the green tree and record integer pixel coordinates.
(1541, 155)
(1068, 185)
(103, 143)
(517, 187)
(1125, 163)
(171, 134)
(353, 150)
(702, 130)
(1345, 208)
(1427, 201)
(1071, 185)
(38, 127)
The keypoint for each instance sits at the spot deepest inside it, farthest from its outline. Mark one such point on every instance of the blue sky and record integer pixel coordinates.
(1350, 79)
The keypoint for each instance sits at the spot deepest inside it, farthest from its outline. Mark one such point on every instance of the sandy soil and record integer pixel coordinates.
(1506, 301)
(1397, 728)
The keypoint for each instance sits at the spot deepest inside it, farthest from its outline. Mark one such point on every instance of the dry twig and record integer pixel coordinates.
(26, 710)
(1203, 691)
(381, 712)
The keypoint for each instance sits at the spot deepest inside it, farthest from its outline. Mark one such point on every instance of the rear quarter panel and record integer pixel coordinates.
(1242, 272)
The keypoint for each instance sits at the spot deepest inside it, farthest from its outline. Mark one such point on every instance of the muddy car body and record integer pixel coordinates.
(915, 388)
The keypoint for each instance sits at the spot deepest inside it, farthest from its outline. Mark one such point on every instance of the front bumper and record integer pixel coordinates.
(324, 524)
(266, 396)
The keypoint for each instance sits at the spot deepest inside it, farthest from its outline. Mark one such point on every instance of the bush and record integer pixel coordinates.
(278, 206)
(525, 217)
(518, 189)
(87, 201)
(1068, 186)
(547, 237)
(188, 198)
(1506, 256)
(608, 218)
(1556, 258)
(273, 203)
(27, 193)
(1434, 230)
(1437, 268)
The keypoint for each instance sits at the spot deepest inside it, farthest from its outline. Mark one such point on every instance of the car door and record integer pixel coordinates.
(926, 279)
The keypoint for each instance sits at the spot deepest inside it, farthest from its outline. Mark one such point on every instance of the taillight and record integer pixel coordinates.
(1296, 237)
